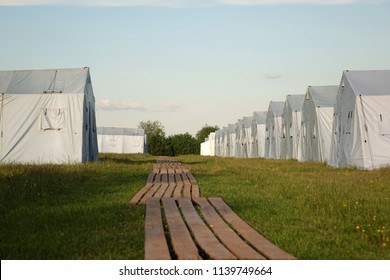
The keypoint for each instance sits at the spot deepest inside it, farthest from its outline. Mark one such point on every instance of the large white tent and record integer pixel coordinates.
(361, 126)
(291, 127)
(225, 146)
(121, 140)
(258, 133)
(273, 129)
(47, 116)
(317, 120)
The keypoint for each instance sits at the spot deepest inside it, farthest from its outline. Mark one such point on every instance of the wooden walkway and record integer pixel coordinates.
(179, 224)
(168, 179)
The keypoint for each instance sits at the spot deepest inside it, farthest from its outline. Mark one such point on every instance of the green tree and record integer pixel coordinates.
(155, 135)
(204, 132)
(183, 144)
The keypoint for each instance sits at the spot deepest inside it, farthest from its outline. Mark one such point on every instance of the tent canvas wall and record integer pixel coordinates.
(273, 129)
(121, 140)
(316, 124)
(239, 136)
(246, 137)
(232, 140)
(225, 145)
(291, 126)
(207, 148)
(47, 116)
(361, 127)
(258, 133)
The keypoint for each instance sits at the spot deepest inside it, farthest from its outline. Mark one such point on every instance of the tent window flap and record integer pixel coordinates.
(52, 119)
(384, 124)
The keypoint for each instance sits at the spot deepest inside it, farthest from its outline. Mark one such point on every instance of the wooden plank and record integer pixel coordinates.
(151, 178)
(136, 198)
(161, 190)
(178, 190)
(182, 243)
(227, 236)
(191, 177)
(187, 190)
(203, 236)
(169, 190)
(164, 178)
(157, 179)
(156, 247)
(149, 194)
(195, 192)
(263, 245)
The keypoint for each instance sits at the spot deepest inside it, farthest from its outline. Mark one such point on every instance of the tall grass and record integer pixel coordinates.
(81, 211)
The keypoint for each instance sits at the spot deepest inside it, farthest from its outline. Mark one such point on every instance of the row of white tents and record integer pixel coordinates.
(344, 125)
(48, 116)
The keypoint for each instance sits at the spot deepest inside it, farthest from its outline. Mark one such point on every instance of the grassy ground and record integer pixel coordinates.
(80, 211)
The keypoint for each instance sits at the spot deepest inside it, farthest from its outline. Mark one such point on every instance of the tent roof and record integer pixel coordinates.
(374, 82)
(247, 121)
(70, 80)
(232, 127)
(120, 131)
(276, 107)
(260, 116)
(323, 96)
(295, 101)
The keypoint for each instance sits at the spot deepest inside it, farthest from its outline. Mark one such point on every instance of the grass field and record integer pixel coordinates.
(81, 211)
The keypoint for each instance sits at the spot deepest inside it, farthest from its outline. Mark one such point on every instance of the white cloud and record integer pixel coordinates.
(272, 76)
(176, 3)
(108, 105)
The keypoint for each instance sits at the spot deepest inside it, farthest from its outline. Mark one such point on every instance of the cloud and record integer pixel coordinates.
(272, 76)
(108, 105)
(177, 3)
(172, 107)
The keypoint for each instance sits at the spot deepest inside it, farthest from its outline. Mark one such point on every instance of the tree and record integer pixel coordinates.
(155, 135)
(204, 132)
(152, 128)
(183, 144)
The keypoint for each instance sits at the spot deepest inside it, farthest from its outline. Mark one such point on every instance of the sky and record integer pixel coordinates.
(187, 63)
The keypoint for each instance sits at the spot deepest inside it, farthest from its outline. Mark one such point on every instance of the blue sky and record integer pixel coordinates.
(186, 62)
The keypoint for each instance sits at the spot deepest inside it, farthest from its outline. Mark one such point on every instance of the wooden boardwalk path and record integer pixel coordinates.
(179, 224)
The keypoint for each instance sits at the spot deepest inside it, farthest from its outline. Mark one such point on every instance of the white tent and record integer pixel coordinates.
(47, 116)
(121, 140)
(218, 137)
(225, 145)
(316, 124)
(273, 129)
(232, 140)
(258, 133)
(361, 126)
(246, 137)
(207, 148)
(239, 136)
(291, 126)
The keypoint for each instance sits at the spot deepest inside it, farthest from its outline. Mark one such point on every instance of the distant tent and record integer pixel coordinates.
(232, 140)
(246, 137)
(225, 146)
(207, 148)
(258, 133)
(47, 116)
(121, 140)
(273, 129)
(361, 126)
(239, 136)
(218, 137)
(316, 124)
(291, 126)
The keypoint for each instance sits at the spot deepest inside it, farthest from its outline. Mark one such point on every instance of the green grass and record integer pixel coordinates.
(81, 211)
